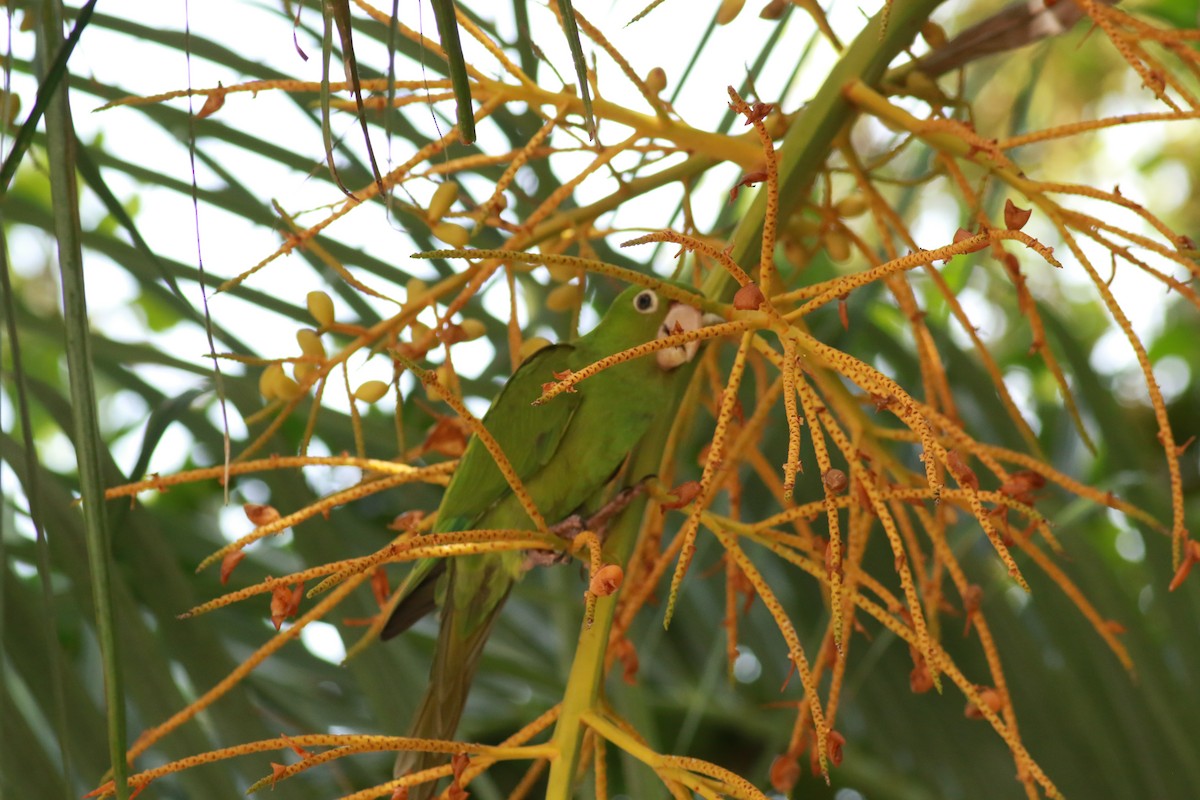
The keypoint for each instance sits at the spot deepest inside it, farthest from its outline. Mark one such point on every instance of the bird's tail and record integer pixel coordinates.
(463, 632)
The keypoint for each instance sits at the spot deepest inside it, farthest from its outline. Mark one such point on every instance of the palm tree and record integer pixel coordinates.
(922, 471)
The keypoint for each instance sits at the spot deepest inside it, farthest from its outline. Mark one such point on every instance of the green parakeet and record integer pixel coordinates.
(566, 452)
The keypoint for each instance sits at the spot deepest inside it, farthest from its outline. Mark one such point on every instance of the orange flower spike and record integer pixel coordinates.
(693, 245)
(459, 764)
(792, 414)
(229, 562)
(739, 413)
(919, 679)
(749, 298)
(896, 541)
(785, 772)
(833, 554)
(684, 493)
(297, 596)
(285, 602)
(591, 542)
(260, 514)
(448, 436)
(380, 589)
(1014, 216)
(990, 698)
(748, 179)
(836, 741)
(407, 521)
(281, 598)
(297, 749)
(103, 790)
(397, 474)
(814, 758)
(708, 484)
(836, 480)
(1191, 555)
(972, 598)
(599, 768)
(962, 473)
(754, 116)
(730, 620)
(961, 235)
(607, 580)
(733, 784)
(626, 653)
(743, 586)
(795, 651)
(1021, 485)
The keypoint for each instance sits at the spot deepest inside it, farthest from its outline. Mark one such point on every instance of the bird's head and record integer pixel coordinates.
(640, 315)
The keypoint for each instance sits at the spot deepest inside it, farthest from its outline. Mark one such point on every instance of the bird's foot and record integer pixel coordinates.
(567, 529)
(575, 524)
(598, 522)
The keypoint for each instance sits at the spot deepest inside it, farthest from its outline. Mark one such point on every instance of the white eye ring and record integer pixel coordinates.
(646, 302)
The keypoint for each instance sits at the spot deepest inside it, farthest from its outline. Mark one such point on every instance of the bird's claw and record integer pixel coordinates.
(575, 524)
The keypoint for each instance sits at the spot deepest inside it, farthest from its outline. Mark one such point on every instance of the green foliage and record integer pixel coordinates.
(1095, 728)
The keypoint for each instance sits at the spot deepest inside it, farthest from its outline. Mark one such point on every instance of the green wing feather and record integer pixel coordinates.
(529, 436)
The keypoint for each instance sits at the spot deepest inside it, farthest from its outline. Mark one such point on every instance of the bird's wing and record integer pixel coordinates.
(529, 436)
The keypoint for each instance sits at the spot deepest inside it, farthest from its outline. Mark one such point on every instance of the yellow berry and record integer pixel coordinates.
(320, 306)
(452, 234)
(419, 331)
(443, 198)
(728, 11)
(563, 298)
(10, 109)
(267, 381)
(851, 206)
(412, 292)
(447, 378)
(919, 84)
(656, 80)
(302, 370)
(371, 391)
(284, 387)
(310, 343)
(837, 245)
(472, 329)
(800, 226)
(562, 272)
(933, 34)
(531, 346)
(447, 384)
(774, 9)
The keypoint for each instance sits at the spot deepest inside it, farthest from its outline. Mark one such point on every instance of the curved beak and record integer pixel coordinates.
(680, 318)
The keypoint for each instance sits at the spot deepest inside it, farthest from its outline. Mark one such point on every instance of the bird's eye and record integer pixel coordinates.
(646, 302)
